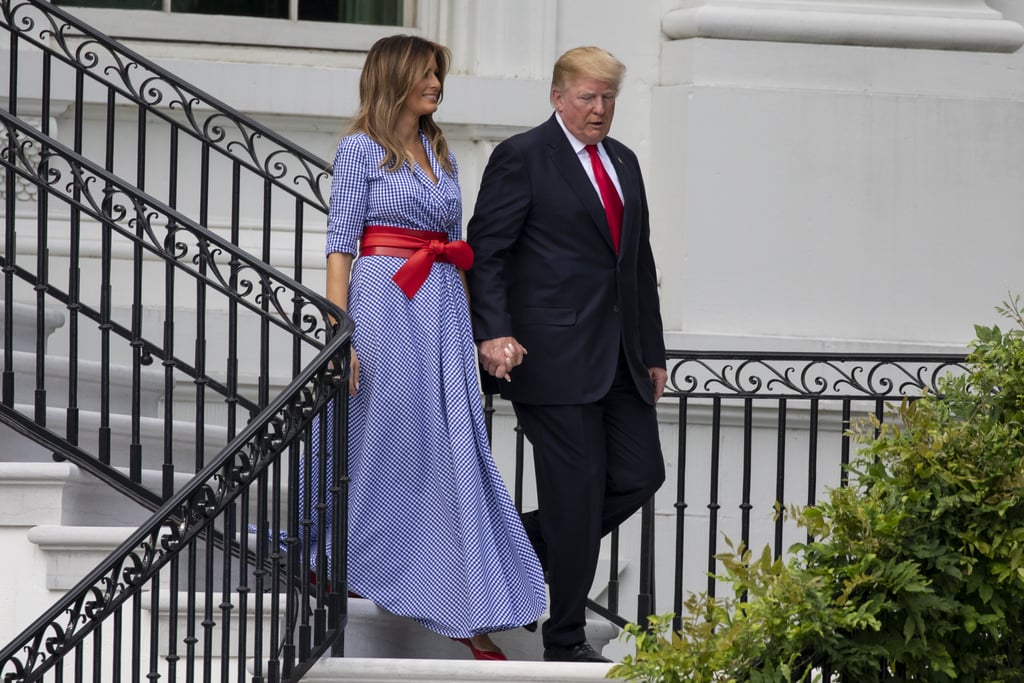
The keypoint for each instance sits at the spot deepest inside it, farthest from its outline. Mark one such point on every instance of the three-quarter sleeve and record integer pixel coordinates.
(349, 195)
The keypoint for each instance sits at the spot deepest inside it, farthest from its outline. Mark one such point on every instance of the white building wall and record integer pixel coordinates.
(839, 196)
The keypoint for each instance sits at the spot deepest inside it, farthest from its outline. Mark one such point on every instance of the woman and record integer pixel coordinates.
(433, 533)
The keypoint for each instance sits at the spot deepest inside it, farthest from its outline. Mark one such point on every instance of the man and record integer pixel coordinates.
(564, 273)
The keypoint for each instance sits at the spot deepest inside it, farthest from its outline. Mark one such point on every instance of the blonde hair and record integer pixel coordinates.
(587, 62)
(393, 66)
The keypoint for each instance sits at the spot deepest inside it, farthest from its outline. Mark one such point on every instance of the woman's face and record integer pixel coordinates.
(422, 98)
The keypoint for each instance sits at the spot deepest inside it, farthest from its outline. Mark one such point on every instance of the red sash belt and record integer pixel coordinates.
(420, 247)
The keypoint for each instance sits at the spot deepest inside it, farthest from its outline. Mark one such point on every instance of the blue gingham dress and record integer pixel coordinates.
(433, 533)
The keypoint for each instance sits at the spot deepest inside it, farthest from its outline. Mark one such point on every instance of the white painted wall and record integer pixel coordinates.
(837, 192)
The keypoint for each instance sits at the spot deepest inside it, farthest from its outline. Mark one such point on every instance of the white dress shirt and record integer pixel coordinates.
(584, 157)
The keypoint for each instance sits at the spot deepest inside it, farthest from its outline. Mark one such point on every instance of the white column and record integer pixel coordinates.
(970, 25)
(496, 39)
(812, 161)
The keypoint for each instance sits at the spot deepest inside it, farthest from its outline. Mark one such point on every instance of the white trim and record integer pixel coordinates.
(756, 343)
(225, 30)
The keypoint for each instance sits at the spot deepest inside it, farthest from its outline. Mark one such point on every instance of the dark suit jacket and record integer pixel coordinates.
(547, 274)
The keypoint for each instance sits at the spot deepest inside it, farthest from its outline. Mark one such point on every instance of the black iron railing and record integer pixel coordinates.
(195, 155)
(213, 536)
(44, 37)
(742, 433)
(777, 425)
(188, 347)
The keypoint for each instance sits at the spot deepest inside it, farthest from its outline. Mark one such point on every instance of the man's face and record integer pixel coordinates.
(586, 106)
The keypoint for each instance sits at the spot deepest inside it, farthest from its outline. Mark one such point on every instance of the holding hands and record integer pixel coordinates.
(499, 356)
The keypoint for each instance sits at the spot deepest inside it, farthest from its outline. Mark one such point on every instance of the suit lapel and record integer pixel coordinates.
(568, 166)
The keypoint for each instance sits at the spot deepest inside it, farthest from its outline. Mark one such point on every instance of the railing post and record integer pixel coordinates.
(645, 599)
(338, 608)
(9, 147)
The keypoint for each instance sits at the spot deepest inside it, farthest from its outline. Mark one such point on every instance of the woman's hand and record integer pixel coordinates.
(339, 269)
(353, 374)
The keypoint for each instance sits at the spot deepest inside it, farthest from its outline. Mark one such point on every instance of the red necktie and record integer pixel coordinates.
(609, 196)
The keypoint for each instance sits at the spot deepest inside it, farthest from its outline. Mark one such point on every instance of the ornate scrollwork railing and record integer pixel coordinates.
(831, 376)
(163, 232)
(211, 121)
(250, 328)
(190, 514)
(276, 425)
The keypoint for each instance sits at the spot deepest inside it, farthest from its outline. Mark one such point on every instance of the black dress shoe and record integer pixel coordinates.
(580, 652)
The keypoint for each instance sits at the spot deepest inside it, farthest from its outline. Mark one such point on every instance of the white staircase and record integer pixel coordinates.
(46, 555)
(438, 670)
(57, 523)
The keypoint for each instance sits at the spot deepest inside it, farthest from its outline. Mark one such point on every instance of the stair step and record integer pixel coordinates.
(151, 384)
(14, 447)
(24, 324)
(73, 551)
(32, 493)
(340, 669)
(379, 646)
(373, 633)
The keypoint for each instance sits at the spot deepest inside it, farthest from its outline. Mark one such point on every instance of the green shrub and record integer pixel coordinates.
(916, 572)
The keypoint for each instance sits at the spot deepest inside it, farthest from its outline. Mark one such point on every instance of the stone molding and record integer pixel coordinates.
(968, 25)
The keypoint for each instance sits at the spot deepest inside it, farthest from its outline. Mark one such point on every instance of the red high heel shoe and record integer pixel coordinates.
(488, 655)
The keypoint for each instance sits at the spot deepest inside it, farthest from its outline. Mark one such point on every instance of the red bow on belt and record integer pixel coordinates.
(422, 248)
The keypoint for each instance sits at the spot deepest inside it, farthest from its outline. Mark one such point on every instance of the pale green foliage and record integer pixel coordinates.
(917, 570)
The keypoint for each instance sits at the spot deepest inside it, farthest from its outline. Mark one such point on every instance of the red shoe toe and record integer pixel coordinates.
(483, 655)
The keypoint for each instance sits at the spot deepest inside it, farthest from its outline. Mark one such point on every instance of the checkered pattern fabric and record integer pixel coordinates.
(433, 533)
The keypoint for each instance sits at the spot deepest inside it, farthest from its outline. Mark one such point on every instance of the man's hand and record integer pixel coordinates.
(659, 377)
(499, 356)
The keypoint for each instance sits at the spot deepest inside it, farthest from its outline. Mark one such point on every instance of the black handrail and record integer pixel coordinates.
(780, 374)
(68, 451)
(245, 498)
